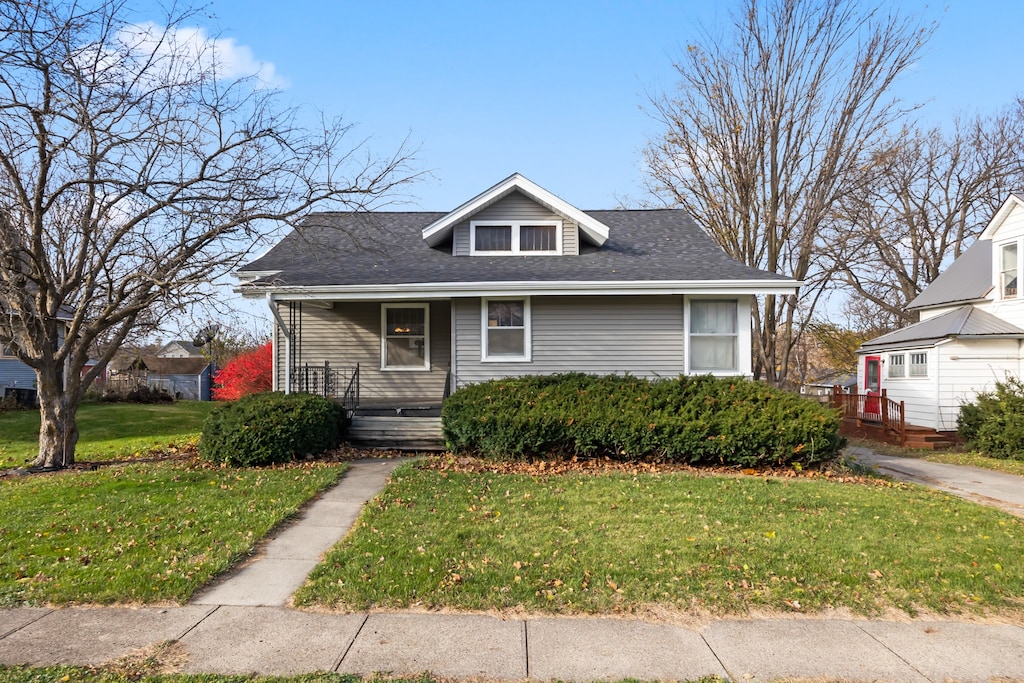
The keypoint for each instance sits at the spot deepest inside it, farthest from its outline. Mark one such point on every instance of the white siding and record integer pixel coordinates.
(517, 207)
(957, 372)
(1010, 230)
(969, 368)
(917, 393)
(642, 336)
(349, 333)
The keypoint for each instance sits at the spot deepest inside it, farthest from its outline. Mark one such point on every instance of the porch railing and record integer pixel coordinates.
(323, 380)
(873, 409)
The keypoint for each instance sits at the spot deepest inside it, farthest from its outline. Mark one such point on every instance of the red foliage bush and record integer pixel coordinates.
(249, 373)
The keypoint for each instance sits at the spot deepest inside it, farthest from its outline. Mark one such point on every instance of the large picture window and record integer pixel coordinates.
(494, 237)
(506, 329)
(405, 342)
(714, 335)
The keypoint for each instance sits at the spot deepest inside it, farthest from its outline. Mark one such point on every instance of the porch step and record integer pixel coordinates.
(399, 433)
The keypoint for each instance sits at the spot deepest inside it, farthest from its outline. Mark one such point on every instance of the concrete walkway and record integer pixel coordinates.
(240, 626)
(1004, 491)
(283, 565)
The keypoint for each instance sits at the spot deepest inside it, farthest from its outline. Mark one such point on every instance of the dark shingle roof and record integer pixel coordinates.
(968, 278)
(384, 248)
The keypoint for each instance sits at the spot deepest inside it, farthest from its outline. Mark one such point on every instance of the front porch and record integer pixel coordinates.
(876, 417)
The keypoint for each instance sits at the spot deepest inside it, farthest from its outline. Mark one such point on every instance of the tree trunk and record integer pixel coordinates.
(58, 428)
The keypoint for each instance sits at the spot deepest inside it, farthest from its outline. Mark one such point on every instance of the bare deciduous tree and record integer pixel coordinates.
(133, 172)
(927, 196)
(766, 132)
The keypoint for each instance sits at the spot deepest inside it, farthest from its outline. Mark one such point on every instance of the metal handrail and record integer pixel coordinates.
(352, 390)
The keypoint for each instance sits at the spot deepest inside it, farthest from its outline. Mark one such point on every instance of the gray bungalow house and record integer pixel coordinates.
(514, 281)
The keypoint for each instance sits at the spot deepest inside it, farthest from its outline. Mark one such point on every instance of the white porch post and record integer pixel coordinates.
(287, 344)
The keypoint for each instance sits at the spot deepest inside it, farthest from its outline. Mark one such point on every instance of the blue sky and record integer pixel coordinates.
(554, 90)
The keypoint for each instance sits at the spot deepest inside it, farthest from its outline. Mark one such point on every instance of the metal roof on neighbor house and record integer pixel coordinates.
(963, 322)
(384, 248)
(968, 278)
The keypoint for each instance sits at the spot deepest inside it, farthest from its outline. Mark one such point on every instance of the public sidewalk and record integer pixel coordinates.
(241, 626)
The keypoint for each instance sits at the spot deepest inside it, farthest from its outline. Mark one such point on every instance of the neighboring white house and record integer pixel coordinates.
(970, 334)
(514, 281)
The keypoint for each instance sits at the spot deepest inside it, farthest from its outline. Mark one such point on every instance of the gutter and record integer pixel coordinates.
(424, 290)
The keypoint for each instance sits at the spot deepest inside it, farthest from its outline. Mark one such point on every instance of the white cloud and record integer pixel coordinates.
(230, 59)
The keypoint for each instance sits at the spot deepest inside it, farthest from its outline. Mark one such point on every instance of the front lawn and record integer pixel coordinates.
(629, 542)
(141, 532)
(107, 430)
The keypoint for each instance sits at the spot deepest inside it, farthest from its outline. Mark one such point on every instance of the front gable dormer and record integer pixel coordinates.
(1006, 233)
(516, 217)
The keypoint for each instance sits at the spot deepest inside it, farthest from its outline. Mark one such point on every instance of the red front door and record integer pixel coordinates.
(872, 383)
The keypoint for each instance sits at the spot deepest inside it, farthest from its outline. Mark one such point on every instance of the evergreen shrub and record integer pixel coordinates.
(994, 422)
(693, 419)
(270, 428)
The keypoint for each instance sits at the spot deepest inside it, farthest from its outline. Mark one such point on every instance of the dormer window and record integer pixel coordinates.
(1008, 270)
(510, 237)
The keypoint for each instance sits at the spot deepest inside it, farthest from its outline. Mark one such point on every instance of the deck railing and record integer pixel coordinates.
(872, 408)
(323, 380)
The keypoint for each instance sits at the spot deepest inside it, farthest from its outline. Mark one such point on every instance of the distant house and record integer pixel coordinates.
(177, 368)
(971, 332)
(515, 281)
(17, 377)
(179, 349)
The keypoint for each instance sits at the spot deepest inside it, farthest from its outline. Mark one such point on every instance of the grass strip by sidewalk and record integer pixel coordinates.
(107, 431)
(621, 543)
(139, 533)
(950, 457)
(20, 674)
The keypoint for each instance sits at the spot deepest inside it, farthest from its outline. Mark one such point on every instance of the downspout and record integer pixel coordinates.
(287, 344)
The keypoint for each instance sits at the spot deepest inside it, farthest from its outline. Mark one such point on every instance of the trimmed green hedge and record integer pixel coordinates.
(994, 422)
(695, 419)
(270, 428)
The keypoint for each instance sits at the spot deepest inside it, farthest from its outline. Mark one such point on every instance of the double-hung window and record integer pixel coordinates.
(1008, 270)
(506, 330)
(897, 368)
(714, 335)
(405, 341)
(512, 237)
(919, 364)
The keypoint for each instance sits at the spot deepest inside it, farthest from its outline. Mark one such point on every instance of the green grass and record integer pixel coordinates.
(107, 430)
(50, 674)
(141, 532)
(620, 543)
(22, 674)
(952, 456)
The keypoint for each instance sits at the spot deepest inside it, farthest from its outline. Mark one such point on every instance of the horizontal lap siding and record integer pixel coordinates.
(642, 336)
(349, 333)
(517, 207)
(14, 373)
(978, 366)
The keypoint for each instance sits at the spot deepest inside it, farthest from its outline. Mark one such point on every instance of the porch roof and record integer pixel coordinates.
(386, 250)
(964, 322)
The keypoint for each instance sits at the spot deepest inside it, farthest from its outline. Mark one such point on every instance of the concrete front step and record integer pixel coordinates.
(400, 433)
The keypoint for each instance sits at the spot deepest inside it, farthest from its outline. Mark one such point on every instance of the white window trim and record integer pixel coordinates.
(527, 331)
(893, 364)
(516, 225)
(911, 365)
(384, 339)
(743, 336)
(1000, 285)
